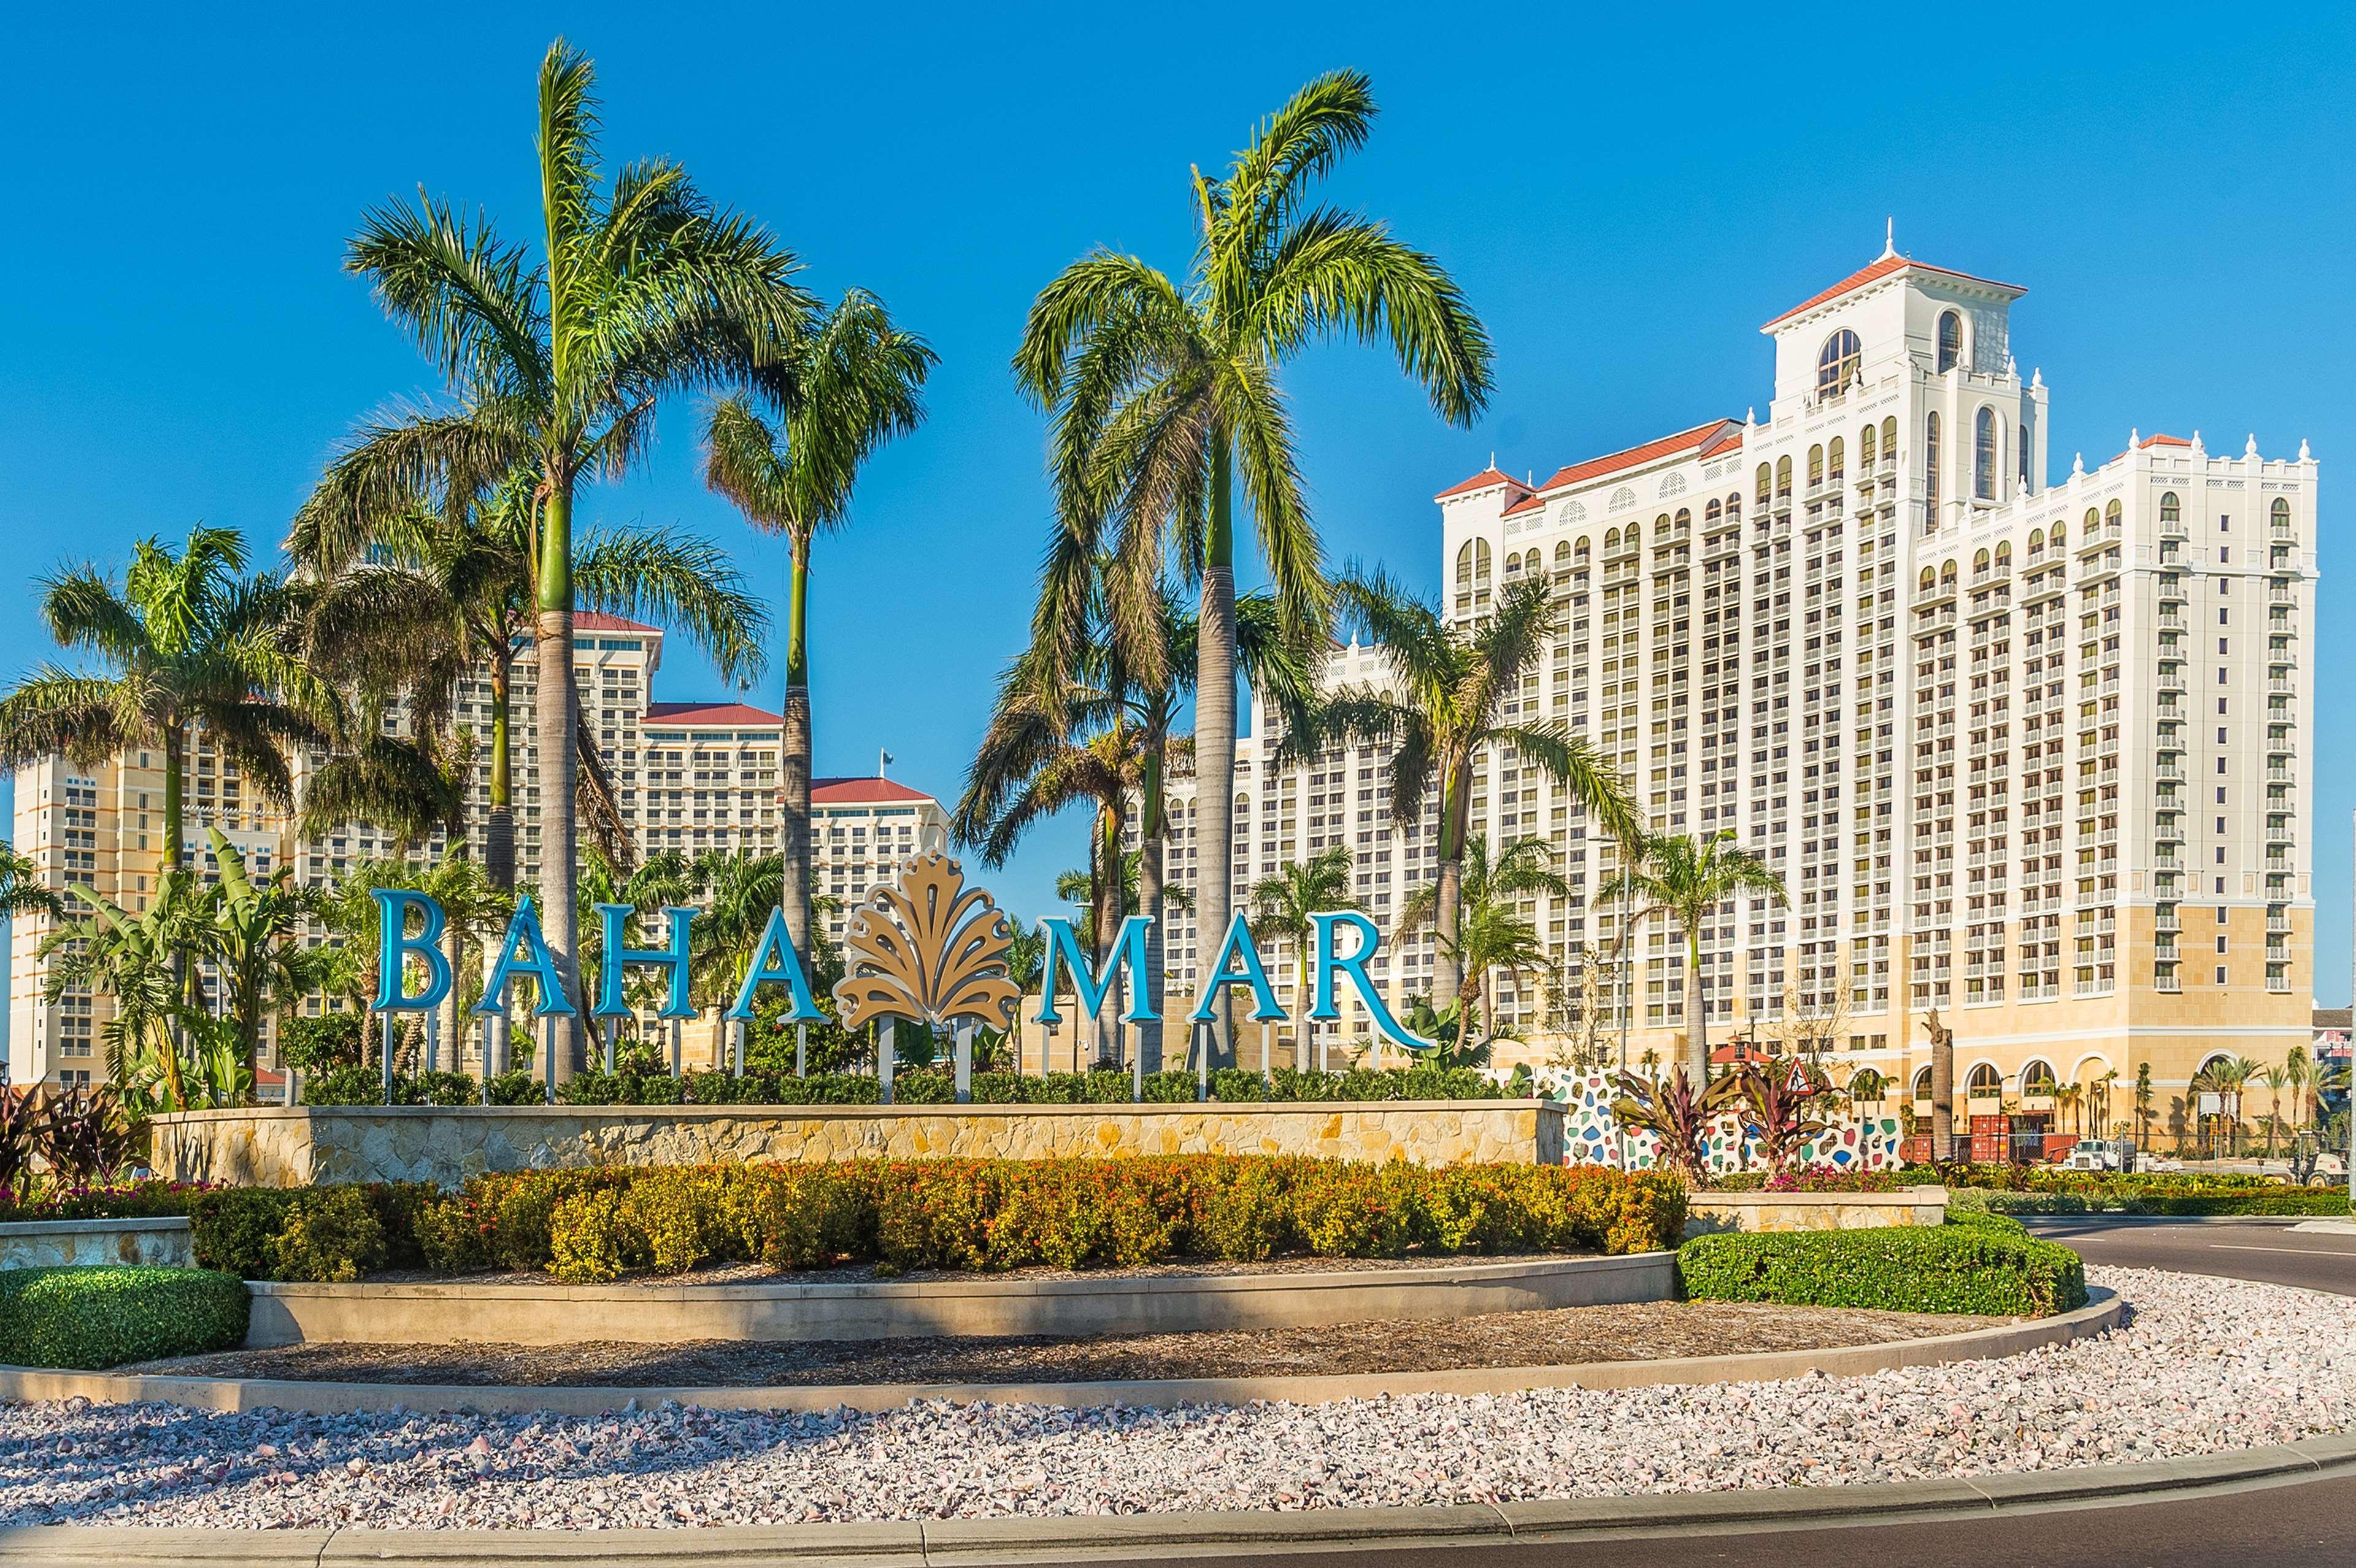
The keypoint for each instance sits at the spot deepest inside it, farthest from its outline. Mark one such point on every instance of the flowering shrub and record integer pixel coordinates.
(144, 1199)
(1814, 1180)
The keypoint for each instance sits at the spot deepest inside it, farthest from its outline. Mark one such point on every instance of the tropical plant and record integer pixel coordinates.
(2144, 1096)
(739, 892)
(852, 383)
(1685, 880)
(1676, 1115)
(1456, 686)
(254, 936)
(1868, 1085)
(2275, 1079)
(20, 1127)
(2297, 1076)
(85, 1134)
(1492, 933)
(186, 644)
(1165, 394)
(645, 289)
(1283, 903)
(141, 962)
(1783, 1105)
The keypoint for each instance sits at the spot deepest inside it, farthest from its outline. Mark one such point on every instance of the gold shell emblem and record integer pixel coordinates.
(929, 949)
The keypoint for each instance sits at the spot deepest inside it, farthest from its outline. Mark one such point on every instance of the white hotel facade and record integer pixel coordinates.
(2036, 755)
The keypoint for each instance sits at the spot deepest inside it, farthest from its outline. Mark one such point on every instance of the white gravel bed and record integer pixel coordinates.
(2206, 1365)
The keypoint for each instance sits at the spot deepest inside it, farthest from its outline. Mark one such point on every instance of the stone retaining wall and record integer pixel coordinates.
(50, 1243)
(1708, 1212)
(269, 1146)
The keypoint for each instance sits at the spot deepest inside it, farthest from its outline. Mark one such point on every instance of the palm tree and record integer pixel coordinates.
(2297, 1074)
(1867, 1084)
(1522, 870)
(186, 644)
(2275, 1079)
(1685, 880)
(852, 384)
(139, 961)
(1283, 904)
(1494, 937)
(252, 934)
(1167, 393)
(2144, 1096)
(645, 289)
(1457, 684)
(421, 589)
(739, 892)
(22, 889)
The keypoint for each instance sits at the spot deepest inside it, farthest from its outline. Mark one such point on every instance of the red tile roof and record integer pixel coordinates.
(1487, 479)
(598, 621)
(668, 713)
(2164, 441)
(854, 792)
(1708, 436)
(1526, 504)
(1875, 271)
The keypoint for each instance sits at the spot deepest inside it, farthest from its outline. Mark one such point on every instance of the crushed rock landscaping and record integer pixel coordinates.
(2205, 1366)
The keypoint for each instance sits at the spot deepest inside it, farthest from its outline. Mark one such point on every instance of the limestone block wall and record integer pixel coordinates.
(1707, 1212)
(51, 1243)
(287, 1148)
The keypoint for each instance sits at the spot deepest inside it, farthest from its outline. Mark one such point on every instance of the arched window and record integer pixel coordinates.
(1836, 363)
(2171, 510)
(1987, 443)
(1947, 575)
(2036, 543)
(1562, 560)
(1865, 447)
(1710, 514)
(1512, 565)
(1929, 580)
(2060, 537)
(2022, 441)
(1931, 467)
(1584, 551)
(1685, 519)
(1922, 1083)
(1980, 564)
(1783, 477)
(1889, 442)
(1766, 484)
(1734, 507)
(1951, 341)
(2003, 555)
(1634, 536)
(1816, 466)
(2036, 1078)
(1986, 1084)
(1610, 541)
(1464, 568)
(2280, 516)
(2110, 514)
(1836, 459)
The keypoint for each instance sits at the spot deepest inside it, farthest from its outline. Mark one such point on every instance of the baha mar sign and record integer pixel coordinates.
(925, 947)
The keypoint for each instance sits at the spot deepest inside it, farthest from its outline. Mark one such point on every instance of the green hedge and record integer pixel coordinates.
(604, 1222)
(921, 1086)
(1966, 1268)
(2130, 1199)
(86, 1318)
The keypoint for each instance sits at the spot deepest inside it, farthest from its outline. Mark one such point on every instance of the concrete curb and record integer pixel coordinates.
(2288, 1222)
(665, 1313)
(1008, 1540)
(2102, 1312)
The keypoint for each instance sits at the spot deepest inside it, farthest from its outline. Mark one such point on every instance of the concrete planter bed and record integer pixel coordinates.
(1709, 1212)
(307, 1145)
(489, 1311)
(328, 1397)
(48, 1244)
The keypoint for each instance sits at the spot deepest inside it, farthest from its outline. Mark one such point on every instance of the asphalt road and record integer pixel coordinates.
(2307, 1524)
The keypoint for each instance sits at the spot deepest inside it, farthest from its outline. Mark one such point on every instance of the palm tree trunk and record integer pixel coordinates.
(794, 760)
(499, 829)
(1105, 917)
(1697, 1012)
(1214, 739)
(174, 742)
(1149, 903)
(454, 947)
(552, 729)
(1943, 1089)
(1448, 900)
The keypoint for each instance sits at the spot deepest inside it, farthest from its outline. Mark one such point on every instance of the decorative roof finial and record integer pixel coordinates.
(2251, 449)
(2305, 455)
(2198, 450)
(1889, 237)
(2036, 378)
(1751, 415)
(2078, 467)
(2134, 438)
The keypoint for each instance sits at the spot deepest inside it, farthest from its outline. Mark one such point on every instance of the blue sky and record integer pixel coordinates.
(1624, 201)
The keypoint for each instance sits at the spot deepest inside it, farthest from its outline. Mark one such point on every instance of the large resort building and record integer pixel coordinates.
(694, 777)
(2036, 757)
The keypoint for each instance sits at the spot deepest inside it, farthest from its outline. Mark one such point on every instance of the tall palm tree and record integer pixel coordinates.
(1283, 904)
(186, 642)
(1493, 937)
(853, 382)
(2297, 1073)
(739, 891)
(1489, 891)
(1685, 880)
(420, 590)
(644, 289)
(1167, 393)
(141, 961)
(1456, 685)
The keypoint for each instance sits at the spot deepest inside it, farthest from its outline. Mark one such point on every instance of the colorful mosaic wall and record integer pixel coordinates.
(1591, 1133)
